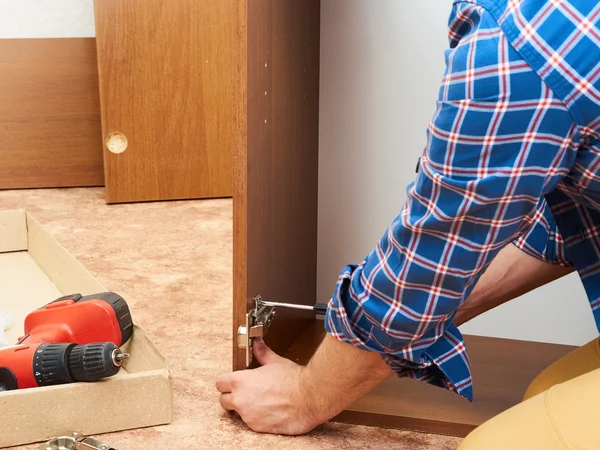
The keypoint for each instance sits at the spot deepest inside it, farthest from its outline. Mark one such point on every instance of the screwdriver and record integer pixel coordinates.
(319, 308)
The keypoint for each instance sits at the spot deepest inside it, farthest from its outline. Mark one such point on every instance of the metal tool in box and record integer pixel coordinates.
(73, 440)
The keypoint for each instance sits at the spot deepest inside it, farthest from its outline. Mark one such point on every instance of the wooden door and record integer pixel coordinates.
(167, 89)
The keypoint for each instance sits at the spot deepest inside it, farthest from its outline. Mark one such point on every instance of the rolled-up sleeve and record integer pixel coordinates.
(499, 140)
(543, 239)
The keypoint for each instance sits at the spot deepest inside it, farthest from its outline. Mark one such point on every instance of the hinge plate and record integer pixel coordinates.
(258, 321)
(73, 440)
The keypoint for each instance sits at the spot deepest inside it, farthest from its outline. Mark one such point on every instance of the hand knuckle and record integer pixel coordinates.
(235, 382)
(255, 426)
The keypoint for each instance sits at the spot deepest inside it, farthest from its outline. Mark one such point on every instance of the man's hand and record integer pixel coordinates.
(272, 398)
(282, 397)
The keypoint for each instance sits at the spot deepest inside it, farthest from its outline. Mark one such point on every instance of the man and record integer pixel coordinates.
(507, 198)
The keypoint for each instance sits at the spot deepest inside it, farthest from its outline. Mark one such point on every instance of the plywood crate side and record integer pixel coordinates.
(118, 404)
(144, 354)
(13, 231)
(23, 288)
(141, 395)
(61, 267)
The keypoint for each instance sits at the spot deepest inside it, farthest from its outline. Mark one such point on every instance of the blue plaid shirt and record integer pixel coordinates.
(513, 156)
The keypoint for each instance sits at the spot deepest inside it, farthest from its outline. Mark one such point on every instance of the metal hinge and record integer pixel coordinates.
(258, 321)
(73, 440)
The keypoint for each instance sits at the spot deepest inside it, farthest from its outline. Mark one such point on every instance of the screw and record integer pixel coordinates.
(120, 357)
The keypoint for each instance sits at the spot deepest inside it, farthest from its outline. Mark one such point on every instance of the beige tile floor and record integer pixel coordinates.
(172, 262)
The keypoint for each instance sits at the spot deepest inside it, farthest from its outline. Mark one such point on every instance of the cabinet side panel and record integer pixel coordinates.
(283, 39)
(240, 156)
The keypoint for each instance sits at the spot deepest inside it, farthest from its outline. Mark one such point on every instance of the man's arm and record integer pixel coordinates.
(347, 374)
(498, 142)
(511, 274)
(282, 397)
(534, 259)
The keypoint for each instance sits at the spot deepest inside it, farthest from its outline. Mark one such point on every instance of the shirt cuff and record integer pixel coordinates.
(444, 363)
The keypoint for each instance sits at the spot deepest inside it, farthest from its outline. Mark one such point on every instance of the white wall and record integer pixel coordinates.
(381, 64)
(46, 18)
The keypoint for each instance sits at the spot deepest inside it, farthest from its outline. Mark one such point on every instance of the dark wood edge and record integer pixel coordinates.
(403, 423)
(240, 191)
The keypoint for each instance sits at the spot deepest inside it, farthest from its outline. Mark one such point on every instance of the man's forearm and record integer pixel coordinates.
(283, 397)
(339, 374)
(511, 274)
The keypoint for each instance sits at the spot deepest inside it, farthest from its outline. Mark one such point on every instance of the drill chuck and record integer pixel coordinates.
(68, 363)
(94, 362)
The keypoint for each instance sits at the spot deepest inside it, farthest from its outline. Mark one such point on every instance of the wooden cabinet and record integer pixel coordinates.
(49, 114)
(275, 164)
(275, 228)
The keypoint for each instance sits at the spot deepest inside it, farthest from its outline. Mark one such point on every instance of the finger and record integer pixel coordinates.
(264, 355)
(227, 402)
(224, 383)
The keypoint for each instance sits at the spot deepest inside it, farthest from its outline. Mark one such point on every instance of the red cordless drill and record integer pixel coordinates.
(72, 339)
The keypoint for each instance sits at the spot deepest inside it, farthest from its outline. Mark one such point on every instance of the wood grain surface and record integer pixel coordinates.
(49, 114)
(167, 83)
(502, 369)
(275, 197)
(240, 186)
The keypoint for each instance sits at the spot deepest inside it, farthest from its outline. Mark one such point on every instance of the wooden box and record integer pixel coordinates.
(34, 270)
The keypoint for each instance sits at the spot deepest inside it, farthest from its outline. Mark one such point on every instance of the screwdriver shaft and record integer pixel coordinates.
(288, 305)
(319, 308)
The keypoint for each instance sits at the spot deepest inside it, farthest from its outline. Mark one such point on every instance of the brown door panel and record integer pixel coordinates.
(167, 84)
